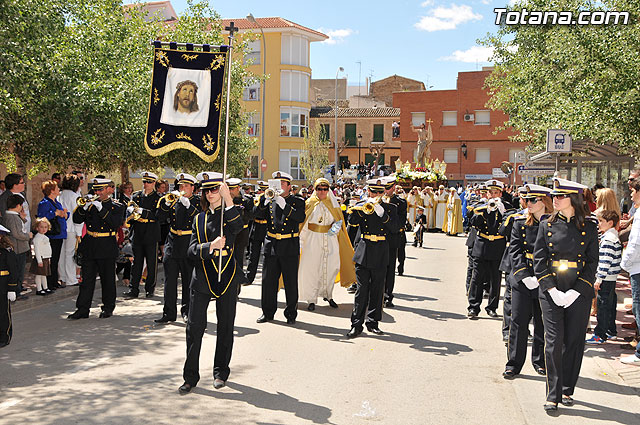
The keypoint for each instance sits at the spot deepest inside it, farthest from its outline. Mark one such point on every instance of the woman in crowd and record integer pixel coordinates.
(57, 215)
(125, 192)
(606, 200)
(68, 199)
(565, 262)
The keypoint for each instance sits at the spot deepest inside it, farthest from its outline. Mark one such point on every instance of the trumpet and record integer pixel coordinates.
(81, 202)
(172, 197)
(134, 215)
(369, 206)
(270, 193)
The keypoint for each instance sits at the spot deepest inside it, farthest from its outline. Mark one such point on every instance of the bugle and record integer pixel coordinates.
(134, 215)
(172, 197)
(82, 201)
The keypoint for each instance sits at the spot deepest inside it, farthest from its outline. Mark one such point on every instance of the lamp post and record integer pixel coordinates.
(251, 19)
(359, 145)
(335, 130)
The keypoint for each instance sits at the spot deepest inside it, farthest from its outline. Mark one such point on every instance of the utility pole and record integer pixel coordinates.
(359, 76)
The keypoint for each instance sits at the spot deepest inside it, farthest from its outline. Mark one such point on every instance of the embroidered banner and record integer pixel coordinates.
(185, 102)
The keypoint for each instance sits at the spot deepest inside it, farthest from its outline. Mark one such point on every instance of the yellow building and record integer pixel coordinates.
(286, 95)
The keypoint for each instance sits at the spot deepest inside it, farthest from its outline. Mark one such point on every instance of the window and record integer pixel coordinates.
(325, 132)
(378, 132)
(293, 122)
(350, 135)
(294, 86)
(449, 118)
(253, 124)
(253, 53)
(295, 50)
(290, 163)
(417, 119)
(483, 155)
(251, 90)
(450, 156)
(483, 117)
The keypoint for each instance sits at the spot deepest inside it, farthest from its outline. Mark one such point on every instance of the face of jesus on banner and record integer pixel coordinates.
(186, 98)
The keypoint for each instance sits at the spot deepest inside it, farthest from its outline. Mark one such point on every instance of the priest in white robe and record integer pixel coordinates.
(441, 206)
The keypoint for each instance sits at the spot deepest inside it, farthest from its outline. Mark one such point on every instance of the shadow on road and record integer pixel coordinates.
(430, 279)
(430, 314)
(410, 297)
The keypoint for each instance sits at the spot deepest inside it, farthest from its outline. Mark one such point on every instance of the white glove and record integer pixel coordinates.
(11, 296)
(97, 204)
(130, 210)
(138, 211)
(185, 201)
(558, 297)
(500, 206)
(280, 201)
(572, 295)
(87, 205)
(378, 209)
(530, 282)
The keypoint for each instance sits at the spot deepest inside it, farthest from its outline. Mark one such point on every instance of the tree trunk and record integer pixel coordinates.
(124, 172)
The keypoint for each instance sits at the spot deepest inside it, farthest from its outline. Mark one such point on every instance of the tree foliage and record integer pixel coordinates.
(584, 79)
(85, 102)
(314, 156)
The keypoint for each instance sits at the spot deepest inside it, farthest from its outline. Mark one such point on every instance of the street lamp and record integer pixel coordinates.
(359, 145)
(463, 148)
(251, 19)
(335, 130)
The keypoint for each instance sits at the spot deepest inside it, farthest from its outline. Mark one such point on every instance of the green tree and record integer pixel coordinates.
(584, 79)
(314, 156)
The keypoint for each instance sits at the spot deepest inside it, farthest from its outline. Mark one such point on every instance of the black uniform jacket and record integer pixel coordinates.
(488, 243)
(521, 245)
(146, 230)
(565, 256)
(180, 220)
(205, 229)
(283, 226)
(100, 241)
(371, 247)
(505, 230)
(8, 271)
(401, 211)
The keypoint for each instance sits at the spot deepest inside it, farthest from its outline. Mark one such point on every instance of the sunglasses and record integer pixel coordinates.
(212, 190)
(560, 196)
(532, 201)
(322, 189)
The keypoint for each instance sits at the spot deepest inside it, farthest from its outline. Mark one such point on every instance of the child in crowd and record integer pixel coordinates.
(41, 265)
(606, 275)
(8, 285)
(14, 219)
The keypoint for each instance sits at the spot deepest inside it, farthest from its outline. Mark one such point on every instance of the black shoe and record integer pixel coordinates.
(400, 272)
(247, 282)
(263, 319)
(567, 401)
(352, 289)
(78, 315)
(375, 330)
(472, 315)
(149, 295)
(131, 294)
(550, 407)
(218, 383)
(389, 304)
(185, 388)
(105, 314)
(42, 292)
(508, 374)
(491, 313)
(354, 332)
(291, 321)
(541, 371)
(332, 303)
(164, 319)
(311, 307)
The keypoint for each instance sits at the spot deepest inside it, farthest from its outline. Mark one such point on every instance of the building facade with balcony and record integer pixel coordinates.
(463, 128)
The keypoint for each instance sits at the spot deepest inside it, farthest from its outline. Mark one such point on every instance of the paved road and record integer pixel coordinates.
(433, 366)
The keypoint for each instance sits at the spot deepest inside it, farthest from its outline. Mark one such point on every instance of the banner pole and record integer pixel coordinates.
(232, 29)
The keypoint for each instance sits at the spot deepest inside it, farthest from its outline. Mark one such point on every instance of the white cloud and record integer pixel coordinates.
(487, 1)
(336, 36)
(472, 55)
(447, 18)
(427, 3)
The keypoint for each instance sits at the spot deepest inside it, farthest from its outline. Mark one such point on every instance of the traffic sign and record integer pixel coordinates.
(263, 165)
(497, 173)
(558, 141)
(535, 171)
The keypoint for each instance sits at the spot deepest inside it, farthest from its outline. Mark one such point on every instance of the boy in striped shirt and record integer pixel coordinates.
(606, 275)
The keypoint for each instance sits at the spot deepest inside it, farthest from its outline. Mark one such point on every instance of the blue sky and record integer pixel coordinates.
(427, 40)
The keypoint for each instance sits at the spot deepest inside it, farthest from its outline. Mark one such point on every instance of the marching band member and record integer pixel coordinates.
(325, 247)
(146, 235)
(8, 285)
(258, 232)
(523, 283)
(285, 213)
(565, 262)
(376, 220)
(180, 211)
(205, 248)
(395, 238)
(245, 205)
(488, 247)
(99, 248)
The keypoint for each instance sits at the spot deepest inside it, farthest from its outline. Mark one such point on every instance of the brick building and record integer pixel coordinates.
(460, 122)
(383, 89)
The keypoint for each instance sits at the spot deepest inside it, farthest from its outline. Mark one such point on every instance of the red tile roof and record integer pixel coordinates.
(274, 22)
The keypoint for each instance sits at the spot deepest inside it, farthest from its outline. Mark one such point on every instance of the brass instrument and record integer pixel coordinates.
(81, 202)
(134, 215)
(172, 197)
(369, 206)
(269, 193)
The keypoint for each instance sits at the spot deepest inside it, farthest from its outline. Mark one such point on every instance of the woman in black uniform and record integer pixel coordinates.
(524, 285)
(205, 247)
(565, 263)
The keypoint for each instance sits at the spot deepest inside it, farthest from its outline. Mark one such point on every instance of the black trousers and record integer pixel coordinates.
(6, 329)
(196, 325)
(607, 304)
(390, 279)
(238, 253)
(484, 271)
(106, 268)
(258, 233)
(274, 266)
(367, 306)
(506, 307)
(469, 269)
(125, 268)
(564, 333)
(525, 306)
(142, 252)
(173, 267)
(418, 236)
(56, 248)
(402, 251)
